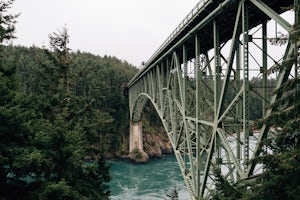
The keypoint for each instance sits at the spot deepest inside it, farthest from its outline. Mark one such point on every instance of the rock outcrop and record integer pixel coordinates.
(157, 145)
(138, 156)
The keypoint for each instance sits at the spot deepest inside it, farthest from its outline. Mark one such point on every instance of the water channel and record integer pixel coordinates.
(151, 181)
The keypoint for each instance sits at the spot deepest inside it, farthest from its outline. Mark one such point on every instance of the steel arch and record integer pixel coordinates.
(202, 97)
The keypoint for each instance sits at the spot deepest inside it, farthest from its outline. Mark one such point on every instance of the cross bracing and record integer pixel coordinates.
(201, 79)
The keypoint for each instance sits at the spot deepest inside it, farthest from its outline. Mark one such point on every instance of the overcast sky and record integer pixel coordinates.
(129, 29)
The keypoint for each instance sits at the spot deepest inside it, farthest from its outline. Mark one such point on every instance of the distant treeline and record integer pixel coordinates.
(61, 113)
(98, 81)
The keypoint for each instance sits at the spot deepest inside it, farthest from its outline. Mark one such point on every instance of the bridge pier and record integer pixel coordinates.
(136, 136)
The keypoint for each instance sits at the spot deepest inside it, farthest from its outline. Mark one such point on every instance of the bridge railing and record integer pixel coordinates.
(183, 24)
(192, 14)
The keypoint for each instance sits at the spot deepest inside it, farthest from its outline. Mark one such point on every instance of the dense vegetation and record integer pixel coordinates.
(60, 112)
(63, 112)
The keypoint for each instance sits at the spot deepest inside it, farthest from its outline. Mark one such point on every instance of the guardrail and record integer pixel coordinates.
(192, 14)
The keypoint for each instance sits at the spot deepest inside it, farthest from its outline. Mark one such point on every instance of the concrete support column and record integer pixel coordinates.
(136, 136)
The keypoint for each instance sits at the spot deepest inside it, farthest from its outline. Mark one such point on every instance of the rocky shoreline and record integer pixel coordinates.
(155, 146)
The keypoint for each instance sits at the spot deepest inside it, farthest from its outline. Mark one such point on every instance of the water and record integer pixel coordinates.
(149, 181)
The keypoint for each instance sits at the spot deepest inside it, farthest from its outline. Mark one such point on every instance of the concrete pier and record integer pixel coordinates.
(136, 136)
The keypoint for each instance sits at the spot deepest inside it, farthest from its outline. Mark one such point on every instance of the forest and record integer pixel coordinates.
(64, 112)
(60, 113)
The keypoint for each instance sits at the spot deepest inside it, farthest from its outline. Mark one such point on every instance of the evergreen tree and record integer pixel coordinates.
(48, 134)
(61, 58)
(281, 160)
(280, 156)
(11, 131)
(280, 179)
(7, 21)
(60, 111)
(79, 170)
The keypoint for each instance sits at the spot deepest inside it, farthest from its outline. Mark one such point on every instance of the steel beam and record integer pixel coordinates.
(204, 111)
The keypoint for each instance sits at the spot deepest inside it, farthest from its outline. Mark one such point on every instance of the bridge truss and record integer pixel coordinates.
(201, 79)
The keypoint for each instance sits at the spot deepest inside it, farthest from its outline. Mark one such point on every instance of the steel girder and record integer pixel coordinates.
(202, 97)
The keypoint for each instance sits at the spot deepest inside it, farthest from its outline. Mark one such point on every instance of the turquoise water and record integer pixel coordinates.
(149, 181)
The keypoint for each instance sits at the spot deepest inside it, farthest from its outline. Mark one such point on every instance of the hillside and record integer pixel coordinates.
(100, 81)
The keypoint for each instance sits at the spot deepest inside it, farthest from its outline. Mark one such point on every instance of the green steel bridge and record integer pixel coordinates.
(200, 81)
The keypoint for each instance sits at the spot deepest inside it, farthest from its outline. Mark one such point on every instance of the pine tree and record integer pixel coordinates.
(80, 170)
(280, 179)
(11, 131)
(48, 134)
(7, 21)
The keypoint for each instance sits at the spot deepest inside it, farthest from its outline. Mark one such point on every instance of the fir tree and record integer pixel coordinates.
(79, 170)
(48, 150)
(280, 179)
(7, 21)
(281, 153)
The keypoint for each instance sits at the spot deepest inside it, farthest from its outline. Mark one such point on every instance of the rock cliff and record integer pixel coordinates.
(156, 144)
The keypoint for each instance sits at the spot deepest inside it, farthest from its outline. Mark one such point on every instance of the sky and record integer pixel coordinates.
(130, 30)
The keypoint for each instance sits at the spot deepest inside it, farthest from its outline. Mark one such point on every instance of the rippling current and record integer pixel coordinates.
(150, 181)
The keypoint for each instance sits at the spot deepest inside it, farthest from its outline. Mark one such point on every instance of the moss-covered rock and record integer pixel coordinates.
(138, 156)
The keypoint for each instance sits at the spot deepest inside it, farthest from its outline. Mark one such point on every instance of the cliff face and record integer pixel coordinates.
(155, 143)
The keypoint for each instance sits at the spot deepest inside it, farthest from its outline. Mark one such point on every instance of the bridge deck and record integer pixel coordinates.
(200, 83)
(200, 21)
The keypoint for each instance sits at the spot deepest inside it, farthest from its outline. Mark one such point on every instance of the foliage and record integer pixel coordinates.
(173, 195)
(281, 177)
(137, 153)
(7, 21)
(60, 114)
(61, 58)
(281, 152)
(224, 190)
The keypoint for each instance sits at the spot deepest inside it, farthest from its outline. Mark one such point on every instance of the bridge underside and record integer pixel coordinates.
(202, 79)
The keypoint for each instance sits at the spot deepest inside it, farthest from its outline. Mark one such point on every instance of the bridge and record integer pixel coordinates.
(200, 81)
